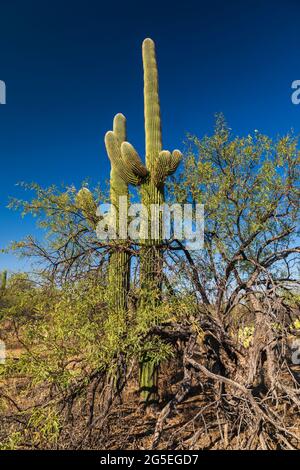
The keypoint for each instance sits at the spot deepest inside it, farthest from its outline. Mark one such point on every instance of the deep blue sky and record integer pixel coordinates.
(69, 66)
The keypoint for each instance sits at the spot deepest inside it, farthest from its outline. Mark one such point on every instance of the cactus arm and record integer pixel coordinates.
(176, 158)
(113, 148)
(161, 168)
(118, 185)
(132, 160)
(119, 127)
(126, 163)
(119, 261)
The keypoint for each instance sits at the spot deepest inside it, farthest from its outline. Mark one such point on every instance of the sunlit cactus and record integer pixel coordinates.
(120, 176)
(160, 164)
(125, 160)
(127, 168)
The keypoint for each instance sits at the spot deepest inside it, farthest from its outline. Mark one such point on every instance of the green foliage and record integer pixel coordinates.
(67, 222)
(46, 425)
(64, 328)
(85, 201)
(245, 335)
(3, 281)
(296, 324)
(20, 299)
(250, 190)
(12, 442)
(66, 335)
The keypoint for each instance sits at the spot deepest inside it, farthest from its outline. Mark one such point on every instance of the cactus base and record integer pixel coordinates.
(148, 383)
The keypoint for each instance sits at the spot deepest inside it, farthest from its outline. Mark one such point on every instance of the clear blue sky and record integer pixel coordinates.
(69, 66)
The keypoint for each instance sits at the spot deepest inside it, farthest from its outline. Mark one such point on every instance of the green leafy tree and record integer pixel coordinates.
(250, 190)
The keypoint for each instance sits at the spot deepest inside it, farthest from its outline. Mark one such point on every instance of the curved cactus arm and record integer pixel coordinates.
(113, 149)
(118, 186)
(161, 168)
(152, 106)
(166, 165)
(132, 160)
(176, 158)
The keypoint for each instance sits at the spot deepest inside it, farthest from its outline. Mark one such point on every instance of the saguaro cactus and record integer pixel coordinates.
(127, 167)
(159, 163)
(120, 177)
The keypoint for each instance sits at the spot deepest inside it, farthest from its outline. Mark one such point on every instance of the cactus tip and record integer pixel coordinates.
(108, 135)
(120, 116)
(148, 42)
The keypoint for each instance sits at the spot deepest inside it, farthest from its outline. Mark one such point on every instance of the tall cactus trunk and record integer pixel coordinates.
(148, 382)
(119, 262)
(151, 284)
(151, 256)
